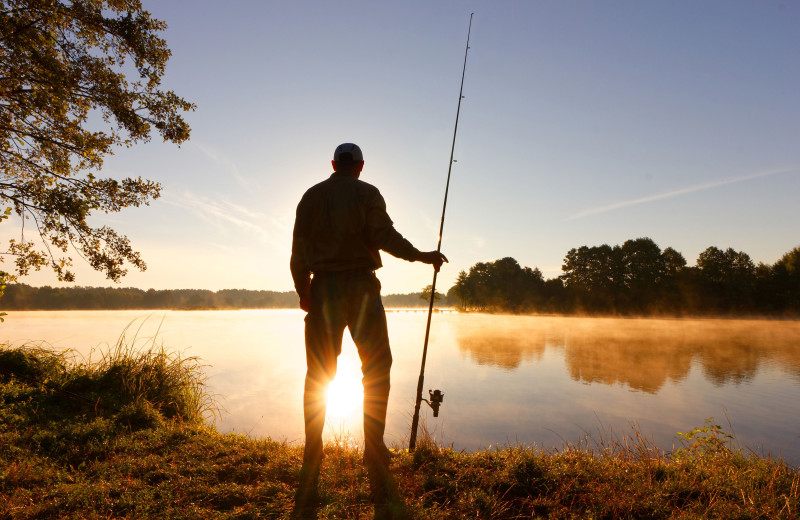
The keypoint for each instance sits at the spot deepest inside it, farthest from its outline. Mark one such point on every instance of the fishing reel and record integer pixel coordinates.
(437, 397)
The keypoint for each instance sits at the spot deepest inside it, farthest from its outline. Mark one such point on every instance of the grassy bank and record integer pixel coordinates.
(126, 437)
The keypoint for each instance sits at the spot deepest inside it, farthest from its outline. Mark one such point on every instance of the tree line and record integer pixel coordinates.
(21, 297)
(24, 297)
(636, 278)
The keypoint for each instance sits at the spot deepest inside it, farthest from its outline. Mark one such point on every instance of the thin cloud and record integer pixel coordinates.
(222, 213)
(222, 160)
(675, 193)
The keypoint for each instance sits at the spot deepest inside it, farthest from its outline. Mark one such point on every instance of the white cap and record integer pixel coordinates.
(349, 148)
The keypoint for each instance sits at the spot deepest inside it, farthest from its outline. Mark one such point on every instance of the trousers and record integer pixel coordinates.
(339, 300)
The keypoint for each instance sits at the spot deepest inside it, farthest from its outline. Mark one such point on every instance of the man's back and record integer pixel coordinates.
(341, 225)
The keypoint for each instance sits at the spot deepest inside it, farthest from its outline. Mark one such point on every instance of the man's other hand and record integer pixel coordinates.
(435, 258)
(305, 303)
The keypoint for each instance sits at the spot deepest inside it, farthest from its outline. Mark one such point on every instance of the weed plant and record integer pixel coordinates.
(138, 448)
(136, 378)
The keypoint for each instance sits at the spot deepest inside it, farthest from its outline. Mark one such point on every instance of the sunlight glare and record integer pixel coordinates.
(345, 393)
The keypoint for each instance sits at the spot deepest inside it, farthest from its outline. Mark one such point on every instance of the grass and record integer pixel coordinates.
(138, 447)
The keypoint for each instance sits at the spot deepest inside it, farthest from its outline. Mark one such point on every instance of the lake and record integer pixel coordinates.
(506, 379)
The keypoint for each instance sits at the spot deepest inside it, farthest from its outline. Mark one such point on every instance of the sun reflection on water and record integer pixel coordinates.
(345, 393)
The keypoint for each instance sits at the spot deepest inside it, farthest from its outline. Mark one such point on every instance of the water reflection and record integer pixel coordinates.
(643, 354)
(502, 342)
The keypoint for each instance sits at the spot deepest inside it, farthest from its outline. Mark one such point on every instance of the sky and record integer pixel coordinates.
(582, 123)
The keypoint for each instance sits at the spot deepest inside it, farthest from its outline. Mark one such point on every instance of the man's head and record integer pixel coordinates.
(347, 158)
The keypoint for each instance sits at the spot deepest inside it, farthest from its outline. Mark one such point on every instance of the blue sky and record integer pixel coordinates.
(583, 123)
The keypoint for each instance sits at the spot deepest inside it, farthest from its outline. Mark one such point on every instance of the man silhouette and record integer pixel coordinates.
(340, 227)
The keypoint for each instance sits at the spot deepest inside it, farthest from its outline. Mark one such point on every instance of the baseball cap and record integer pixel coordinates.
(348, 148)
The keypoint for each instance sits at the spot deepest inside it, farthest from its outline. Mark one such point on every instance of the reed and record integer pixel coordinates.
(135, 376)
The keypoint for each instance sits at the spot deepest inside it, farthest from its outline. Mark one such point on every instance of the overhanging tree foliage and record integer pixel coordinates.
(66, 101)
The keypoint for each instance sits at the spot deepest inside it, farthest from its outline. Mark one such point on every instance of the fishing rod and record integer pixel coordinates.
(436, 396)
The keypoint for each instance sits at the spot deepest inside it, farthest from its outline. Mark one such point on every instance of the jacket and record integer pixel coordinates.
(342, 224)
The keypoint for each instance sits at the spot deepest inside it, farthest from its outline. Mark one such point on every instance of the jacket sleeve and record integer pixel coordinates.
(301, 274)
(381, 231)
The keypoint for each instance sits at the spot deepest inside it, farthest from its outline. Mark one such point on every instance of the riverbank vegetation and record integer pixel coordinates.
(126, 437)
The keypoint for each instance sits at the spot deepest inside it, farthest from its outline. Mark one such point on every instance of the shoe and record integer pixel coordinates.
(306, 498)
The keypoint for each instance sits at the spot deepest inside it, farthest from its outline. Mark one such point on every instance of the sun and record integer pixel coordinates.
(345, 393)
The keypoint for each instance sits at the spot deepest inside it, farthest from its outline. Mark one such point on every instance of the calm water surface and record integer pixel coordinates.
(507, 380)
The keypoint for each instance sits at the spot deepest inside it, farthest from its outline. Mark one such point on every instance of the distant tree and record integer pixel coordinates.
(502, 285)
(769, 295)
(425, 295)
(66, 101)
(671, 297)
(729, 278)
(643, 270)
(554, 296)
(644, 264)
(593, 276)
(644, 267)
(785, 278)
(450, 296)
(463, 290)
(673, 261)
(791, 262)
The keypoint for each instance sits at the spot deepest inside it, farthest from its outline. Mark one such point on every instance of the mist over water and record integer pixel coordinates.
(569, 377)
(506, 379)
(643, 354)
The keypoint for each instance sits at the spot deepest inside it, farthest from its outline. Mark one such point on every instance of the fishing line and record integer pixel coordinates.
(436, 396)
